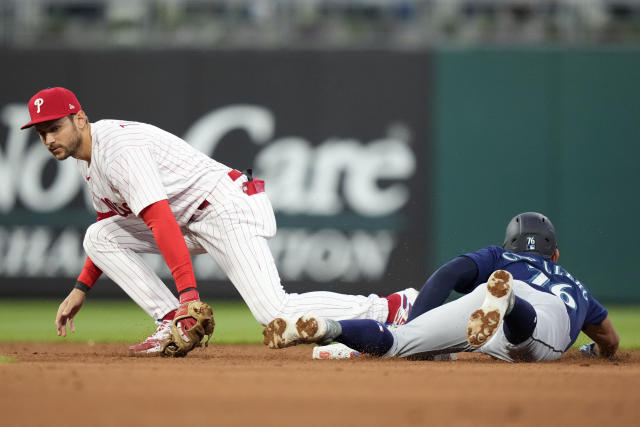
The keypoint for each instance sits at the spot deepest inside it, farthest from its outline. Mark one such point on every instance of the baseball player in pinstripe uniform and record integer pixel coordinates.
(519, 305)
(154, 193)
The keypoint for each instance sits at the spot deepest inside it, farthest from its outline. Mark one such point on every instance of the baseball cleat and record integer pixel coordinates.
(281, 333)
(334, 351)
(153, 343)
(407, 298)
(498, 300)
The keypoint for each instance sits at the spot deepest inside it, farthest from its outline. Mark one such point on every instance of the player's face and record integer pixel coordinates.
(61, 137)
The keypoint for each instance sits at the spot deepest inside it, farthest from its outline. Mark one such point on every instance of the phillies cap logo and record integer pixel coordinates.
(60, 102)
(38, 103)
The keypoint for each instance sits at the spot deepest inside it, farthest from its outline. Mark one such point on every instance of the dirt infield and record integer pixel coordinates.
(65, 384)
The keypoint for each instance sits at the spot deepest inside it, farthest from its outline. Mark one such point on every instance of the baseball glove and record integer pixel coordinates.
(193, 321)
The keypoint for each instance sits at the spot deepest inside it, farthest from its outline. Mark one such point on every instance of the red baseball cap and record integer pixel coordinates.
(51, 104)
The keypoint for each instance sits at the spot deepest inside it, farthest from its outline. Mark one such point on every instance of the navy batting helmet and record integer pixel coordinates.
(531, 232)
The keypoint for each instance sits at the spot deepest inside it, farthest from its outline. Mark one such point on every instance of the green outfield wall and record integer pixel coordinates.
(554, 131)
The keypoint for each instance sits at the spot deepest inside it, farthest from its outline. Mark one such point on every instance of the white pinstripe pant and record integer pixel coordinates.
(234, 230)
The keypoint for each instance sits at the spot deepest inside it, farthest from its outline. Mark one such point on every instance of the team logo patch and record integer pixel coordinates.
(531, 243)
(71, 106)
(38, 103)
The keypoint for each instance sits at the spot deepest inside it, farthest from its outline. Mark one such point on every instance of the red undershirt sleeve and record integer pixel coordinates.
(90, 273)
(170, 241)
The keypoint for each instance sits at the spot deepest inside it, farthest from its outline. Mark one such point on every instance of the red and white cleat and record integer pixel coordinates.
(407, 298)
(153, 343)
(334, 351)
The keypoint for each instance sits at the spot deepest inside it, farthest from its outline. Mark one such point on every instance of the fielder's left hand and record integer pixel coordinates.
(68, 309)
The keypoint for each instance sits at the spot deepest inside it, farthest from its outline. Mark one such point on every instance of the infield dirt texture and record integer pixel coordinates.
(72, 384)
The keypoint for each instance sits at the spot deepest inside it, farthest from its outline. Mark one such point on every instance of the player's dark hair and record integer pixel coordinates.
(531, 232)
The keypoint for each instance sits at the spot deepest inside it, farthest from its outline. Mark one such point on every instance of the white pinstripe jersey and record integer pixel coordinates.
(134, 165)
